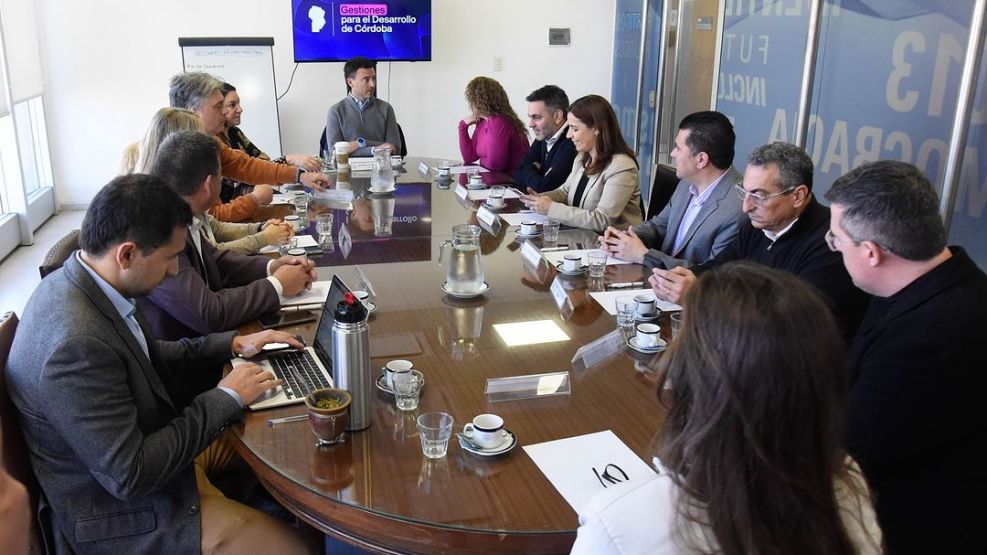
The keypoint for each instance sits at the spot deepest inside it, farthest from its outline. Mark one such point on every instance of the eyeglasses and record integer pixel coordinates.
(606, 477)
(834, 242)
(758, 199)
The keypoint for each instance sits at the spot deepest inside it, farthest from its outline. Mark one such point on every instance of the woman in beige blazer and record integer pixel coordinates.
(602, 189)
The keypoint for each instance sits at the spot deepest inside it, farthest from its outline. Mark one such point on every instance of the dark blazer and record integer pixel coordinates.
(915, 414)
(217, 293)
(555, 164)
(714, 227)
(112, 453)
(802, 250)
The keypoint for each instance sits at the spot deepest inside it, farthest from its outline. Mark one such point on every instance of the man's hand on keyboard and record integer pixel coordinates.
(247, 346)
(249, 381)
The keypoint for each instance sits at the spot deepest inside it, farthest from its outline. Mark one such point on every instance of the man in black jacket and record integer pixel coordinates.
(549, 160)
(786, 231)
(915, 420)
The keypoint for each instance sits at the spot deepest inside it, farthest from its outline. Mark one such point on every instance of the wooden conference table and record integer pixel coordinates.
(377, 491)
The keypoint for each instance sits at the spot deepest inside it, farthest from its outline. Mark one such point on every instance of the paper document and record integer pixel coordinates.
(283, 198)
(483, 194)
(569, 464)
(317, 295)
(516, 219)
(302, 241)
(554, 257)
(361, 164)
(608, 299)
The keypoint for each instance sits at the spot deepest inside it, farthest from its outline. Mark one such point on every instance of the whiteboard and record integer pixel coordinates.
(247, 63)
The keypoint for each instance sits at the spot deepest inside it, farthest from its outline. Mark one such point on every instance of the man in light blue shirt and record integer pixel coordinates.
(703, 215)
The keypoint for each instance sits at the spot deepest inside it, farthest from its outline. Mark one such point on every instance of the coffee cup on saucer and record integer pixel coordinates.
(529, 227)
(645, 306)
(396, 367)
(294, 221)
(475, 178)
(443, 169)
(648, 335)
(496, 197)
(486, 430)
(397, 162)
(572, 262)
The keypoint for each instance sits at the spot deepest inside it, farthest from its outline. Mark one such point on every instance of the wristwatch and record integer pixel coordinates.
(298, 174)
(360, 142)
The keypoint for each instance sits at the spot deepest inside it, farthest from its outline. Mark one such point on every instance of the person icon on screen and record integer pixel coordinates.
(317, 16)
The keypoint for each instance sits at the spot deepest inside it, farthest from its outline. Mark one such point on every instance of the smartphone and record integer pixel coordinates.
(282, 319)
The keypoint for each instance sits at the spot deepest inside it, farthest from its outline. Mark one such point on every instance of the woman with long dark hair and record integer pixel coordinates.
(500, 140)
(602, 190)
(755, 385)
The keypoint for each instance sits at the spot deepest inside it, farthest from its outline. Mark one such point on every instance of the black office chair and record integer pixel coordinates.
(59, 253)
(404, 142)
(662, 188)
(323, 144)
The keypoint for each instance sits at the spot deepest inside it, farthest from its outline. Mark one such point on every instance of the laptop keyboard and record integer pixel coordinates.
(298, 373)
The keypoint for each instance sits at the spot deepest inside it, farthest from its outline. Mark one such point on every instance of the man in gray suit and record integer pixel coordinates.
(703, 215)
(117, 459)
(213, 290)
(362, 119)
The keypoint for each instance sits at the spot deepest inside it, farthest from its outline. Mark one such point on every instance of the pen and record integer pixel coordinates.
(626, 285)
(553, 249)
(296, 308)
(274, 421)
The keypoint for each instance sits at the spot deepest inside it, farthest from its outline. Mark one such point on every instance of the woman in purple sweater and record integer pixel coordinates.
(500, 139)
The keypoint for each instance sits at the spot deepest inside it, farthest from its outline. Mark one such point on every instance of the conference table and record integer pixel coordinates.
(376, 491)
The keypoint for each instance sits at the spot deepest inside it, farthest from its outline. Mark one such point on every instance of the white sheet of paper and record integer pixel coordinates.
(516, 219)
(568, 464)
(483, 194)
(303, 241)
(317, 295)
(466, 168)
(554, 257)
(608, 299)
(283, 198)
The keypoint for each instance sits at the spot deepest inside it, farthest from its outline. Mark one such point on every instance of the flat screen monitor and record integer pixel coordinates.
(382, 30)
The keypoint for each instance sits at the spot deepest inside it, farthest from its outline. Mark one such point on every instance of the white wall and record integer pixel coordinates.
(109, 62)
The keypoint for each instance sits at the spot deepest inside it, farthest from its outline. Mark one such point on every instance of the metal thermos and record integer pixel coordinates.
(351, 358)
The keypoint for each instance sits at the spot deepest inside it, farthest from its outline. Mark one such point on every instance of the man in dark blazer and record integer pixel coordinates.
(785, 230)
(213, 290)
(112, 452)
(549, 159)
(704, 213)
(915, 420)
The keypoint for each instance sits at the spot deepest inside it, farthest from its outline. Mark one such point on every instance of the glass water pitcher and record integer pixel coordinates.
(464, 269)
(382, 178)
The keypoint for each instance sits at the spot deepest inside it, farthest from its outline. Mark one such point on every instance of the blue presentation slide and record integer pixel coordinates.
(383, 30)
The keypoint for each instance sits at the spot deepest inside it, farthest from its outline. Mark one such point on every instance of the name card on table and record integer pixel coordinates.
(558, 293)
(599, 349)
(530, 253)
(461, 191)
(486, 216)
(423, 168)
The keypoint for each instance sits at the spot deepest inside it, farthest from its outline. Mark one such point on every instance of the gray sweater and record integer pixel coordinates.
(376, 124)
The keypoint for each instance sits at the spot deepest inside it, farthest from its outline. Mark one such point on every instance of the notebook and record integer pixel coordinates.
(305, 370)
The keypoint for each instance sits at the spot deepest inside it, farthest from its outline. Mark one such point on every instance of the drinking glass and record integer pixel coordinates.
(626, 311)
(597, 262)
(407, 387)
(677, 319)
(301, 202)
(285, 244)
(323, 223)
(435, 429)
(551, 231)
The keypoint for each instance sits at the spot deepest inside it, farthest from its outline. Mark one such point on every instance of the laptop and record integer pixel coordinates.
(301, 371)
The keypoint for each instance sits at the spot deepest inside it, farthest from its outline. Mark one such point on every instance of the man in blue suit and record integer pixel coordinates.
(549, 160)
(703, 216)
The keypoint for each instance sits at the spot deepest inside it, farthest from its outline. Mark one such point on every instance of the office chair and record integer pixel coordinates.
(662, 188)
(15, 460)
(59, 253)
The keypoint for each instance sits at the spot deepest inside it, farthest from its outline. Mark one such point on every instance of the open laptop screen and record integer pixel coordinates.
(323, 334)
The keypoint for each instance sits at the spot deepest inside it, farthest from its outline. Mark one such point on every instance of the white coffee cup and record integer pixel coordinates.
(529, 227)
(342, 149)
(475, 178)
(397, 162)
(645, 305)
(298, 252)
(572, 262)
(294, 221)
(443, 169)
(496, 198)
(486, 430)
(648, 335)
(398, 366)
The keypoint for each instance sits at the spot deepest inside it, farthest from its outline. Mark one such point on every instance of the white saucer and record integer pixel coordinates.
(382, 384)
(527, 235)
(632, 343)
(382, 191)
(486, 287)
(490, 207)
(507, 443)
(652, 318)
(582, 270)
